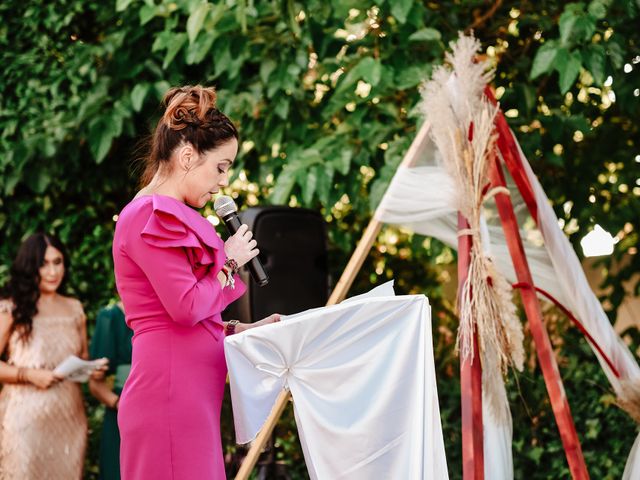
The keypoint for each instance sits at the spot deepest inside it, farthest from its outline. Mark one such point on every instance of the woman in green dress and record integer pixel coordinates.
(111, 339)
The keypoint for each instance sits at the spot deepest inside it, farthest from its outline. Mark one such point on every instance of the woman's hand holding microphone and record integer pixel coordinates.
(241, 247)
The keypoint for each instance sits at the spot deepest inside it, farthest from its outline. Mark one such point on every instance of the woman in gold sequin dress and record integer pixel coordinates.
(43, 427)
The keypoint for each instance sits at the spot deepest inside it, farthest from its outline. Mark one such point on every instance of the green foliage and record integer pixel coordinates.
(324, 93)
(601, 426)
(577, 46)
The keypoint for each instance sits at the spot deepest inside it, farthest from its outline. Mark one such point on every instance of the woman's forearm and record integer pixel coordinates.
(103, 393)
(11, 374)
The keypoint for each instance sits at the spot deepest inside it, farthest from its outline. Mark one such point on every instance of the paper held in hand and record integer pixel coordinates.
(78, 370)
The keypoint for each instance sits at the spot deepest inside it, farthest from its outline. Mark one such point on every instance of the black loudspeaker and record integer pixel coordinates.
(293, 251)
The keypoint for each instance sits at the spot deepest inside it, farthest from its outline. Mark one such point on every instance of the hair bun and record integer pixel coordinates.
(188, 106)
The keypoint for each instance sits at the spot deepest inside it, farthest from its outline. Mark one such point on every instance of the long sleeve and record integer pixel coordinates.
(186, 299)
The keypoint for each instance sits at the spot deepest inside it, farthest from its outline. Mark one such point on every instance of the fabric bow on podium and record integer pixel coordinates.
(363, 383)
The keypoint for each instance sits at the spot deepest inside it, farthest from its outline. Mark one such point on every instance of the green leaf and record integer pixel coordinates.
(101, 134)
(100, 148)
(284, 184)
(535, 454)
(575, 25)
(584, 28)
(568, 66)
(594, 57)
(178, 41)
(162, 41)
(425, 35)
(597, 9)
(371, 71)
(14, 175)
(308, 180)
(147, 12)
(198, 50)
(216, 15)
(38, 179)
(48, 147)
(161, 88)
(293, 24)
(544, 60)
(241, 15)
(325, 182)
(566, 24)
(282, 108)
(411, 76)
(196, 20)
(138, 95)
(342, 161)
(121, 5)
(614, 52)
(400, 9)
(267, 66)
(223, 58)
(10, 183)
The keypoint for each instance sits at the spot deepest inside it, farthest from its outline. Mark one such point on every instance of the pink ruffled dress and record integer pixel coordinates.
(166, 258)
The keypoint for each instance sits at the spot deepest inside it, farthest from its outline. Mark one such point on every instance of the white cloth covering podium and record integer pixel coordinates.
(363, 383)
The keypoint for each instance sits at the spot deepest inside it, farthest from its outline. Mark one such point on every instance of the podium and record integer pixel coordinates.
(362, 378)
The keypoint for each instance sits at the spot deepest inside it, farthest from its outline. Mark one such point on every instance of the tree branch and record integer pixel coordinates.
(481, 20)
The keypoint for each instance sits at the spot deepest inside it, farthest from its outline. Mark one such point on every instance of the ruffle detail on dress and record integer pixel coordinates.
(174, 224)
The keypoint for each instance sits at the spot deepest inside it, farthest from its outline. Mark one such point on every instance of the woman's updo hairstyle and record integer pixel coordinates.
(190, 116)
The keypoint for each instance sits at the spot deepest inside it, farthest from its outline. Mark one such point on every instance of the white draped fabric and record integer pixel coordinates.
(423, 199)
(362, 378)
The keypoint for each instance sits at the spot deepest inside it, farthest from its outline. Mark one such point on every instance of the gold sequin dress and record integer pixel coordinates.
(43, 433)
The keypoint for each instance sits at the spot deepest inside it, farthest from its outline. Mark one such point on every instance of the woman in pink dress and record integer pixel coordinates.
(175, 276)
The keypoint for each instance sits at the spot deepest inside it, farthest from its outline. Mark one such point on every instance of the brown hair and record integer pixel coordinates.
(23, 287)
(190, 116)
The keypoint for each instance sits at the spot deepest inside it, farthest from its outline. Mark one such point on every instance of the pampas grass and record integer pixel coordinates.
(462, 127)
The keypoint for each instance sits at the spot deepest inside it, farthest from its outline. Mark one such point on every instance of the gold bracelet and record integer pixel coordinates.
(21, 376)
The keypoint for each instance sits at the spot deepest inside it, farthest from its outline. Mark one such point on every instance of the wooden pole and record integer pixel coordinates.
(370, 234)
(355, 262)
(544, 349)
(470, 380)
(263, 437)
(339, 293)
(559, 404)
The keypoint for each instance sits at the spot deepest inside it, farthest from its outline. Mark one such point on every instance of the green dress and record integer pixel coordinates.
(112, 339)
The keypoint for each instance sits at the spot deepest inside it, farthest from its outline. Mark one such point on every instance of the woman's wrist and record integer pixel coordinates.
(230, 327)
(232, 265)
(23, 375)
(114, 404)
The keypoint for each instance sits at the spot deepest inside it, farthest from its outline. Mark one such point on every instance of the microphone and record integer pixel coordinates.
(227, 210)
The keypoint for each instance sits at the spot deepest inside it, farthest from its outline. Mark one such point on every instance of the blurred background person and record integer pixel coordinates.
(112, 340)
(43, 427)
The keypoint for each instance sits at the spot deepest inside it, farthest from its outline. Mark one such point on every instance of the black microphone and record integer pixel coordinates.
(227, 210)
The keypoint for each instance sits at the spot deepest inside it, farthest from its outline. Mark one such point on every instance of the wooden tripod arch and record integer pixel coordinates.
(470, 369)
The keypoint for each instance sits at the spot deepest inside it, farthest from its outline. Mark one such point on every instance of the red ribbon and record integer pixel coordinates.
(574, 320)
